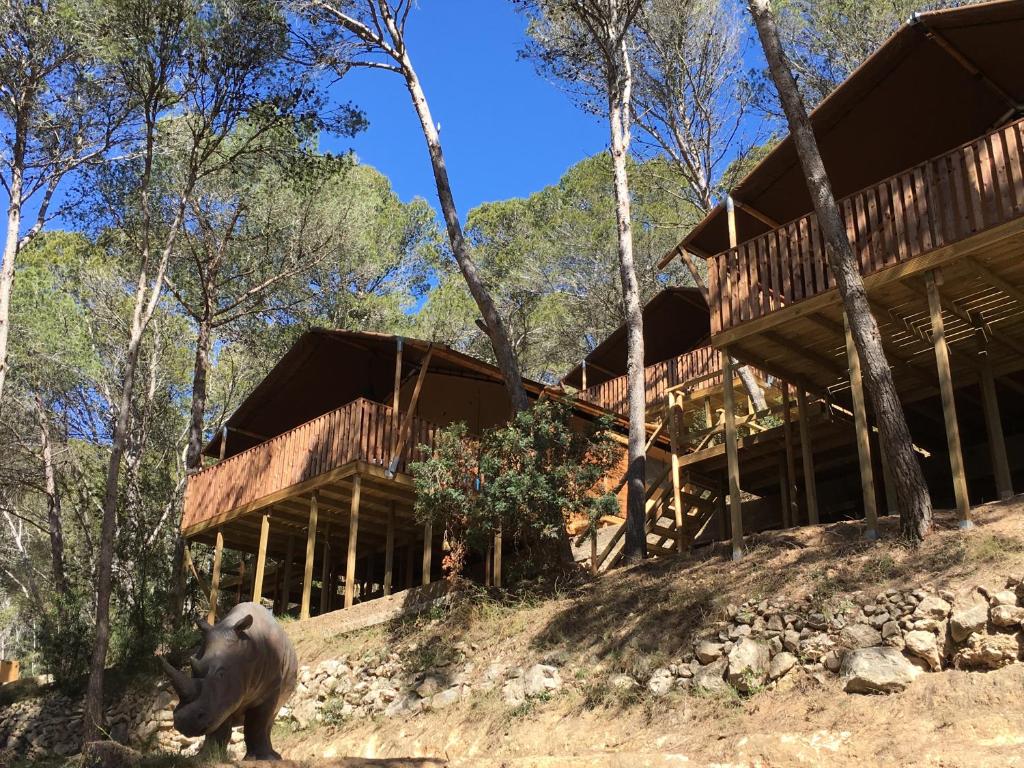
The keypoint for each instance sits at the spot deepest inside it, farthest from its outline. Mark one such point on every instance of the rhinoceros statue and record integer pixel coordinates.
(242, 675)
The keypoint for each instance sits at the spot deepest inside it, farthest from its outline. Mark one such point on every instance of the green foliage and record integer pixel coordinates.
(527, 479)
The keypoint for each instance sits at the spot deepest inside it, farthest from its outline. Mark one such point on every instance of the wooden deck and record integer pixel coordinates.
(930, 207)
(295, 462)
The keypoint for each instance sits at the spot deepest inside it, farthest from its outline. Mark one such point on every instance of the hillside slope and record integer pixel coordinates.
(621, 652)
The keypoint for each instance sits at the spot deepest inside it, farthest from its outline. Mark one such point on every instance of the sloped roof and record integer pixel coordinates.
(944, 78)
(675, 321)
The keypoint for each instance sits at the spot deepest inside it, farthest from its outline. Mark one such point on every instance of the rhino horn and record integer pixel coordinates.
(186, 687)
(198, 668)
(204, 625)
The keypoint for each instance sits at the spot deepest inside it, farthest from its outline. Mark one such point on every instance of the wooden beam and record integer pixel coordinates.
(730, 217)
(789, 515)
(353, 533)
(860, 421)
(389, 551)
(807, 454)
(261, 559)
(428, 552)
(410, 414)
(223, 442)
(674, 418)
(285, 597)
(956, 459)
(996, 280)
(396, 397)
(307, 575)
(732, 457)
(218, 552)
(767, 220)
(325, 573)
(497, 559)
(994, 424)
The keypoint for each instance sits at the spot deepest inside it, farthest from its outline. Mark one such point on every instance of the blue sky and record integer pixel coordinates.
(506, 131)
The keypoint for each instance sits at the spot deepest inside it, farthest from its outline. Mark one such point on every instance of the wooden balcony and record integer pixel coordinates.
(361, 433)
(931, 208)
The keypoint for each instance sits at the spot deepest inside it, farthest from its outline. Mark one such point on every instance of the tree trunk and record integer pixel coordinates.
(619, 88)
(503, 351)
(911, 492)
(200, 374)
(53, 517)
(7, 270)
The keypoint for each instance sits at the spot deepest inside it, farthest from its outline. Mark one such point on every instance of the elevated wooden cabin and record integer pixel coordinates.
(924, 145)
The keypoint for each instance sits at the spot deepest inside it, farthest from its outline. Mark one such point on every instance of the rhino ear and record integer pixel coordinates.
(242, 624)
(204, 625)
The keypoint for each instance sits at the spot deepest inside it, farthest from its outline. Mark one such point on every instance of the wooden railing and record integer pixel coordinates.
(704, 361)
(949, 198)
(360, 431)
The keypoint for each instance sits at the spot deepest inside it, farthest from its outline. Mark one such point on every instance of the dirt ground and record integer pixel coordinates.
(636, 620)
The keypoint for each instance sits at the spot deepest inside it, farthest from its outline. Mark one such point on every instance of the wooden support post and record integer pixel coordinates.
(583, 366)
(218, 552)
(223, 442)
(860, 425)
(410, 563)
(594, 565)
(497, 559)
(730, 211)
(261, 559)
(807, 455)
(403, 436)
(389, 551)
(286, 579)
(428, 551)
(994, 426)
(307, 574)
(489, 564)
(326, 579)
(956, 459)
(353, 532)
(784, 491)
(396, 397)
(790, 512)
(674, 417)
(732, 457)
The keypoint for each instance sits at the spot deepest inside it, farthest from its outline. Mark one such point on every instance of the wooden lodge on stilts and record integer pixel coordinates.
(924, 146)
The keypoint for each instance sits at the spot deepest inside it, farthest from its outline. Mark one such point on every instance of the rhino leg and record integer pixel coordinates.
(217, 742)
(258, 722)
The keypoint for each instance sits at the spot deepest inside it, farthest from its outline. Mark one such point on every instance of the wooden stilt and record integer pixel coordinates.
(674, 416)
(784, 491)
(956, 459)
(286, 579)
(790, 511)
(410, 563)
(860, 425)
(807, 455)
(307, 574)
(489, 564)
(218, 552)
(994, 430)
(428, 551)
(261, 559)
(326, 580)
(709, 418)
(732, 457)
(389, 551)
(497, 559)
(353, 531)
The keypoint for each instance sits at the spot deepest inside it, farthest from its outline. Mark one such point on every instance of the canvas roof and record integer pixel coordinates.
(675, 321)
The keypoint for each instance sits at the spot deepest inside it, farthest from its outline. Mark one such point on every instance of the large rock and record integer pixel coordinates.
(932, 607)
(661, 682)
(970, 615)
(924, 645)
(748, 665)
(109, 754)
(1003, 597)
(1006, 616)
(711, 678)
(541, 678)
(877, 670)
(860, 636)
(985, 651)
(708, 651)
(781, 664)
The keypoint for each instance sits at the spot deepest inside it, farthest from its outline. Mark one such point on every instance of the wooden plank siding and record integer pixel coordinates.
(359, 431)
(705, 361)
(949, 198)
